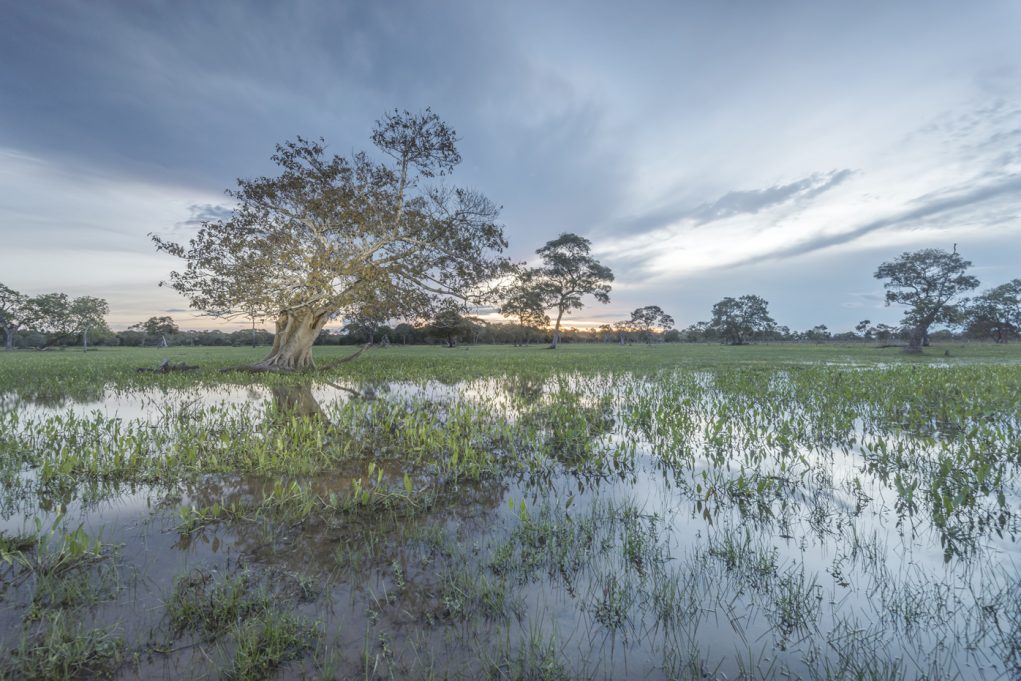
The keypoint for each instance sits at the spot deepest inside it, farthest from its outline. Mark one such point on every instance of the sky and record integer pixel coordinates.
(707, 149)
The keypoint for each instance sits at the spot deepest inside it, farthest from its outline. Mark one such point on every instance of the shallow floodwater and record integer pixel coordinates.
(685, 525)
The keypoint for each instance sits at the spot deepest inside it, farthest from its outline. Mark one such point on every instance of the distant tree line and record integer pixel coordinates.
(930, 283)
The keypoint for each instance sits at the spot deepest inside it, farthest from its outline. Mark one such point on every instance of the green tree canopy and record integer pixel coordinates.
(58, 316)
(649, 319)
(451, 324)
(567, 274)
(928, 282)
(157, 326)
(997, 312)
(523, 301)
(738, 319)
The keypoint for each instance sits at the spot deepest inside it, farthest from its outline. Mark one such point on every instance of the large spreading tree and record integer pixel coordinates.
(335, 236)
(738, 319)
(567, 274)
(930, 283)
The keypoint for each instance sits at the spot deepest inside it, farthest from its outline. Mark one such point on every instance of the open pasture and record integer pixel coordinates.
(597, 512)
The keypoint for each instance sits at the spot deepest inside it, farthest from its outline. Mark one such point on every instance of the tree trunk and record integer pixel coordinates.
(296, 331)
(85, 340)
(914, 345)
(920, 334)
(8, 338)
(556, 331)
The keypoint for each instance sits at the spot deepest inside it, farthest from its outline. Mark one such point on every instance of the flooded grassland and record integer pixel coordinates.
(513, 513)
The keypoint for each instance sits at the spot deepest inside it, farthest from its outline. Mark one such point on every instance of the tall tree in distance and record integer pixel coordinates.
(997, 312)
(158, 327)
(523, 301)
(332, 236)
(568, 272)
(88, 313)
(926, 281)
(738, 319)
(649, 319)
(12, 307)
(450, 324)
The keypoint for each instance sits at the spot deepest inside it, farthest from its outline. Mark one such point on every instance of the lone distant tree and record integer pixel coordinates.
(157, 326)
(450, 324)
(404, 331)
(12, 307)
(926, 281)
(330, 236)
(523, 301)
(648, 320)
(738, 319)
(568, 273)
(87, 314)
(997, 312)
(819, 332)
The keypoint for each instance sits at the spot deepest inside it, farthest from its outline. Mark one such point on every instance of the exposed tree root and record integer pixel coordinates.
(260, 367)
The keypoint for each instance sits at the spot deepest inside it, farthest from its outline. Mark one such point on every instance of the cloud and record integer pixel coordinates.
(201, 213)
(207, 212)
(753, 201)
(951, 203)
(730, 204)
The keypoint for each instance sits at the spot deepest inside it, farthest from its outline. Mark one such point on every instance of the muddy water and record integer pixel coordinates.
(638, 568)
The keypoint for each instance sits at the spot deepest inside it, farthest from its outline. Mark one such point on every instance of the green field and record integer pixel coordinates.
(815, 511)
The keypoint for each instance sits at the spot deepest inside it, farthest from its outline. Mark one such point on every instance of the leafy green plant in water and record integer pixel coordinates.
(614, 599)
(210, 604)
(266, 641)
(61, 649)
(464, 595)
(13, 549)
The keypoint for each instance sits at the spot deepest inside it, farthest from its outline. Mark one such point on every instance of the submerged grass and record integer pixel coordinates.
(826, 511)
(62, 649)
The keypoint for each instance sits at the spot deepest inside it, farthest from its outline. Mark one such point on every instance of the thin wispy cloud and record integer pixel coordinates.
(753, 201)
